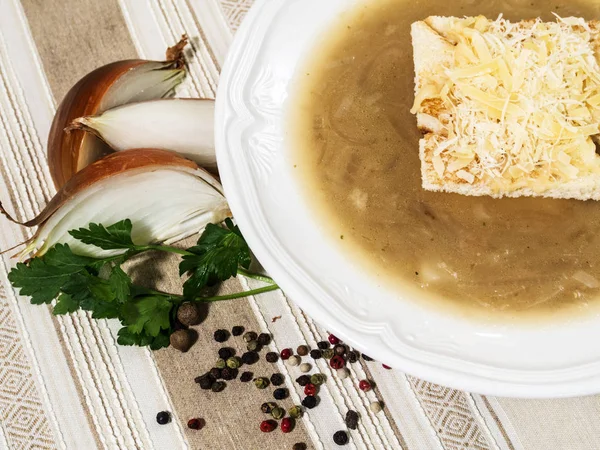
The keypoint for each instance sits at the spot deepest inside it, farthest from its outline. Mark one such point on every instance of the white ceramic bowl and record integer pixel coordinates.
(548, 360)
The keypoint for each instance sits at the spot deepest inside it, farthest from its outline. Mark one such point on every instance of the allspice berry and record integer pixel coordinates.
(181, 340)
(302, 350)
(188, 314)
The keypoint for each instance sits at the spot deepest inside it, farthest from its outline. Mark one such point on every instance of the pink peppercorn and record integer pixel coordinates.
(337, 362)
(333, 340)
(385, 366)
(286, 353)
(364, 385)
(287, 424)
(310, 389)
(266, 426)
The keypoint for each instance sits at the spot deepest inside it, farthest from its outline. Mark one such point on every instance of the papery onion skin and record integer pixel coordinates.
(85, 98)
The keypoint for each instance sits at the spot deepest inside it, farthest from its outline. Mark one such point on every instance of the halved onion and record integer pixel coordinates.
(167, 198)
(109, 86)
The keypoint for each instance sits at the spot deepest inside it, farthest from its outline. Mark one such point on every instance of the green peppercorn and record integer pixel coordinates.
(295, 412)
(250, 336)
(327, 353)
(253, 346)
(234, 362)
(277, 413)
(261, 382)
(317, 379)
(268, 407)
(220, 364)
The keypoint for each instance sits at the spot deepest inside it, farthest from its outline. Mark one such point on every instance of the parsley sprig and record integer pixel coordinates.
(101, 286)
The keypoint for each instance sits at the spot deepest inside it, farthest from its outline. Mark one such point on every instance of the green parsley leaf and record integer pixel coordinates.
(114, 237)
(217, 256)
(120, 284)
(65, 305)
(149, 314)
(61, 256)
(126, 337)
(93, 294)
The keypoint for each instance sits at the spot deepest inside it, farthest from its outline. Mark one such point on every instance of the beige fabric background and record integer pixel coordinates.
(67, 39)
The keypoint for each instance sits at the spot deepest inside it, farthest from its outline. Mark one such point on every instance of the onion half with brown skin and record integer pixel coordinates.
(166, 197)
(109, 86)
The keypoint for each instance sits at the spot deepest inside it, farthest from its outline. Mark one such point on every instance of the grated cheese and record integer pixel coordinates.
(523, 100)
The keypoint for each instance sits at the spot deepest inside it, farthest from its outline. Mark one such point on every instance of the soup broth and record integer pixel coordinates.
(356, 153)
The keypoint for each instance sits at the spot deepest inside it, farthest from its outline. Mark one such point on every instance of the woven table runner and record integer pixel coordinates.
(66, 384)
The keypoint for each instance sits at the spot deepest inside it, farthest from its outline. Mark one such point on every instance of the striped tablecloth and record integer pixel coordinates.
(64, 383)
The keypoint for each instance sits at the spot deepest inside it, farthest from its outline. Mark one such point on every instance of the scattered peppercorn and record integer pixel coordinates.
(246, 376)
(266, 426)
(250, 336)
(367, 358)
(237, 330)
(234, 362)
(286, 353)
(267, 407)
(218, 386)
(196, 424)
(188, 314)
(339, 350)
(287, 425)
(226, 352)
(340, 437)
(220, 364)
(305, 367)
(293, 361)
(327, 353)
(229, 374)
(295, 412)
(333, 340)
(253, 346)
(280, 394)
(303, 380)
(215, 373)
(309, 402)
(352, 419)
(337, 362)
(317, 379)
(261, 382)
(221, 335)
(385, 366)
(352, 356)
(302, 350)
(205, 381)
(323, 345)
(272, 357)
(277, 379)
(163, 417)
(343, 373)
(364, 385)
(299, 446)
(264, 339)
(310, 389)
(182, 340)
(277, 413)
(375, 407)
(315, 354)
(250, 358)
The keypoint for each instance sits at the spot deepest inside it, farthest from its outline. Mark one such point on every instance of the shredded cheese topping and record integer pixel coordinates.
(522, 102)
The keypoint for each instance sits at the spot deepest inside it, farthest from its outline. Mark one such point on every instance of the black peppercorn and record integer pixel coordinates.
(339, 350)
(340, 437)
(323, 345)
(315, 354)
(250, 336)
(310, 401)
(218, 386)
(277, 379)
(163, 417)
(215, 373)
(205, 381)
(303, 380)
(281, 393)
(267, 407)
(249, 358)
(237, 330)
(229, 374)
(367, 358)
(221, 335)
(352, 356)
(352, 419)
(226, 353)
(246, 376)
(272, 357)
(264, 339)
(299, 446)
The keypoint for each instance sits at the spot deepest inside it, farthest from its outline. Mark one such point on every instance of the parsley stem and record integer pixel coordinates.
(217, 298)
(256, 276)
(163, 248)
